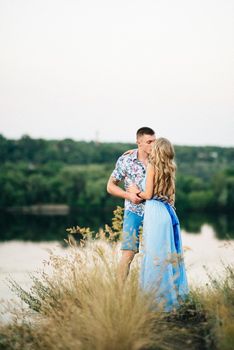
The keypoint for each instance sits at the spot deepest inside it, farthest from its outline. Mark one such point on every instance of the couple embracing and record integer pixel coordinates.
(148, 173)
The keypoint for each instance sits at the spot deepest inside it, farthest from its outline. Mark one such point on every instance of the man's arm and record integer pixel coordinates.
(115, 190)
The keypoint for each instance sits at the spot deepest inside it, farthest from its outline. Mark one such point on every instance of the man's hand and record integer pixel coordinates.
(132, 197)
(115, 190)
(133, 188)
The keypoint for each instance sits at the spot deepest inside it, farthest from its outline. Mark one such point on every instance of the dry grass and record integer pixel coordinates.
(217, 301)
(81, 305)
(76, 303)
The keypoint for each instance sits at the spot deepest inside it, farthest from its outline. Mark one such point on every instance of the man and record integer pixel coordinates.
(131, 168)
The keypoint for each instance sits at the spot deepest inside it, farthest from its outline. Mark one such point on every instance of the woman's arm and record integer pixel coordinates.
(130, 151)
(149, 185)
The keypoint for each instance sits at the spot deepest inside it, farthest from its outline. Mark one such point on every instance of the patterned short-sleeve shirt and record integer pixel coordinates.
(131, 170)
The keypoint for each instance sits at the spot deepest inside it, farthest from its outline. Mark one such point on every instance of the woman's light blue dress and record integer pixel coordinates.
(162, 268)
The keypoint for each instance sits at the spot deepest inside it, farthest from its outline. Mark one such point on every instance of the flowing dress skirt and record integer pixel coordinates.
(162, 267)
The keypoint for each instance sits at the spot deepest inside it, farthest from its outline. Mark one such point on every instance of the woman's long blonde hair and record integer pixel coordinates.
(162, 159)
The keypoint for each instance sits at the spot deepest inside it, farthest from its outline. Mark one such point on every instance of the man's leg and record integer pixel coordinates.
(124, 265)
(130, 243)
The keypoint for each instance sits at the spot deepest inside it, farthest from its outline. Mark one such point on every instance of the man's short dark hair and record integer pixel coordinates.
(145, 131)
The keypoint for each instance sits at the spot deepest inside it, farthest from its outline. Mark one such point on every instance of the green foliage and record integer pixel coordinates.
(200, 200)
(36, 171)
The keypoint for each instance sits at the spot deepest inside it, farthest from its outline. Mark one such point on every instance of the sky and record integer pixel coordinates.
(101, 69)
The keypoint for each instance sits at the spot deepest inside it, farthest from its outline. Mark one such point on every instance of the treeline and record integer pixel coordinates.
(37, 171)
(68, 151)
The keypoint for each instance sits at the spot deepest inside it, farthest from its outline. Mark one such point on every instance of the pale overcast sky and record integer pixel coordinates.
(84, 69)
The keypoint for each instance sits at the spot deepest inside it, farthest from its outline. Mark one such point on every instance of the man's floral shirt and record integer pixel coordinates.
(131, 170)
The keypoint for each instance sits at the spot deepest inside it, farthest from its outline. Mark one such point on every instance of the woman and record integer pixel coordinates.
(162, 267)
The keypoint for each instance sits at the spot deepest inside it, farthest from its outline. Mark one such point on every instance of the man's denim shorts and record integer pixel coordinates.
(131, 226)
